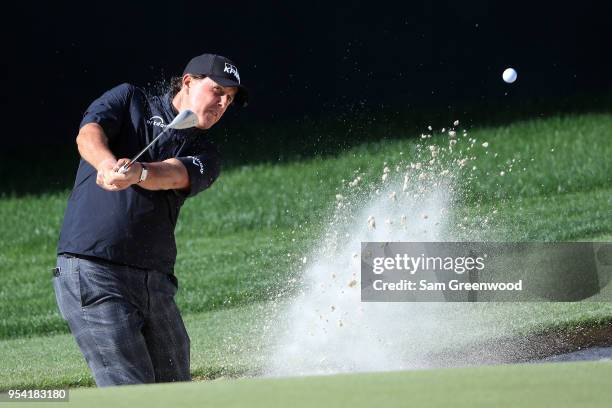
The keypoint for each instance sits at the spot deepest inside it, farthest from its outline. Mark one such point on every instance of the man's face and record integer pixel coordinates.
(207, 99)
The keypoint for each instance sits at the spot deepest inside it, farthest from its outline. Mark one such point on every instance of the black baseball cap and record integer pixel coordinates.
(222, 71)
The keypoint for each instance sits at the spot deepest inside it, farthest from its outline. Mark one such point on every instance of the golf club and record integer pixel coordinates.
(183, 120)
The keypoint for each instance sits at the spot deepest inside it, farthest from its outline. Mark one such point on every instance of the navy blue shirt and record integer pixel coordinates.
(135, 226)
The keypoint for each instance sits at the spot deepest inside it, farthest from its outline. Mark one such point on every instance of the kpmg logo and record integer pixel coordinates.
(156, 121)
(230, 69)
(197, 162)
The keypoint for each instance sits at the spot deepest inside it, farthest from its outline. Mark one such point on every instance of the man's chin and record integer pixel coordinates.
(204, 125)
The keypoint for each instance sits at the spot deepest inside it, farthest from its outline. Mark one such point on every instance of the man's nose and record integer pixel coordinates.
(224, 101)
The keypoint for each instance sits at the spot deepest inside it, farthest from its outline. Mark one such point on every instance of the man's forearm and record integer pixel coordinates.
(169, 174)
(93, 145)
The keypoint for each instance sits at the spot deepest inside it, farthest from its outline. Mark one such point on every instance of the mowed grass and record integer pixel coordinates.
(238, 241)
(237, 342)
(241, 240)
(552, 385)
(225, 342)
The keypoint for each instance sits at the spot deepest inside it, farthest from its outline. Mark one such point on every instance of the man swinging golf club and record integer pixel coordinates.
(114, 280)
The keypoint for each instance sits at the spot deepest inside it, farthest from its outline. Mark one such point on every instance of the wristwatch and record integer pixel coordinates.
(143, 173)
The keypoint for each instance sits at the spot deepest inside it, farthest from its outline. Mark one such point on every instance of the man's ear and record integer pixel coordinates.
(187, 81)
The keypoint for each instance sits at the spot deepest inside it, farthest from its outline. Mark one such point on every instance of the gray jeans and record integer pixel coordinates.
(124, 320)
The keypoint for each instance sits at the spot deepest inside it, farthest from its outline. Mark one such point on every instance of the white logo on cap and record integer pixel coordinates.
(230, 69)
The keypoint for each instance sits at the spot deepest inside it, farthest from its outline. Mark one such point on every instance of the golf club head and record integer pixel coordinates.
(185, 119)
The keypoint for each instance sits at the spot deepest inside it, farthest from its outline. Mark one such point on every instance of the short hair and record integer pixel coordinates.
(176, 83)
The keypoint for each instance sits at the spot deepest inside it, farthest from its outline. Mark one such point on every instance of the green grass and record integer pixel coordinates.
(555, 385)
(242, 230)
(224, 343)
(235, 343)
(239, 240)
(583, 215)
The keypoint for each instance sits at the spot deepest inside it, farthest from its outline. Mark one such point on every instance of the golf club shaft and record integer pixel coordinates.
(126, 166)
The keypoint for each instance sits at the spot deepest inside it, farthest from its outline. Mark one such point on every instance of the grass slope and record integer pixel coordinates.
(555, 385)
(233, 342)
(243, 229)
(239, 240)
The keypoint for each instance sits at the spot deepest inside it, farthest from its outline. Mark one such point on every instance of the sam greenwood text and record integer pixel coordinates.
(424, 285)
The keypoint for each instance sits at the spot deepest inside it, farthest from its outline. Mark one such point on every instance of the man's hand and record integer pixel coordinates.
(109, 178)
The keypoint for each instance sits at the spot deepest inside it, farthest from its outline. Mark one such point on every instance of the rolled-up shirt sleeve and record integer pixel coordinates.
(109, 110)
(203, 169)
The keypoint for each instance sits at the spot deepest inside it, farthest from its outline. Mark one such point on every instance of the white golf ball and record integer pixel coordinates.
(509, 75)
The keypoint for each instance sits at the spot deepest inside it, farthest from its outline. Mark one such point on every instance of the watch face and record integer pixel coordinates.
(143, 174)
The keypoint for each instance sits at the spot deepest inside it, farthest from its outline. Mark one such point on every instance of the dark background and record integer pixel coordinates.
(318, 72)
